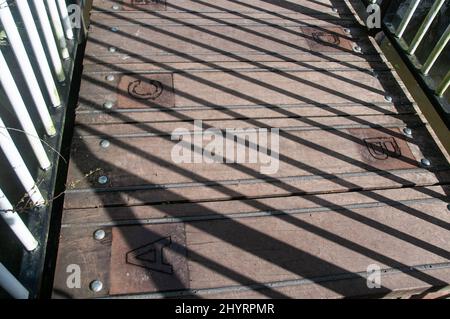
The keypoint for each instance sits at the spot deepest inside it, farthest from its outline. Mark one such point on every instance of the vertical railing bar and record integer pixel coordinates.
(49, 39)
(436, 51)
(65, 19)
(12, 154)
(15, 98)
(425, 26)
(443, 86)
(11, 285)
(38, 50)
(57, 26)
(25, 65)
(16, 224)
(407, 18)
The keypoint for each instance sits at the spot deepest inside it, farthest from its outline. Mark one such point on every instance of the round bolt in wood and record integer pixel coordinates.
(407, 131)
(114, 29)
(112, 49)
(388, 98)
(116, 7)
(347, 31)
(105, 143)
(99, 234)
(108, 105)
(103, 180)
(96, 286)
(334, 10)
(425, 162)
(110, 78)
(357, 49)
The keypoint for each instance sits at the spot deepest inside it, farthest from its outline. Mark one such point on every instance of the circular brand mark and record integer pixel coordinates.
(145, 90)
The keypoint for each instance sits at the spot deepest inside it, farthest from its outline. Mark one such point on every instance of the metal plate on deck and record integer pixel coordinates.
(385, 150)
(327, 40)
(148, 259)
(136, 5)
(145, 91)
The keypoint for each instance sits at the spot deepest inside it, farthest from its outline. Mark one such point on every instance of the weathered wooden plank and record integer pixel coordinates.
(283, 122)
(95, 197)
(307, 158)
(248, 207)
(239, 88)
(99, 117)
(194, 42)
(309, 8)
(223, 255)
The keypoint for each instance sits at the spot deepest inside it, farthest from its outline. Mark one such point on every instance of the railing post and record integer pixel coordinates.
(436, 51)
(49, 39)
(65, 19)
(425, 26)
(15, 98)
(444, 85)
(38, 50)
(59, 30)
(407, 18)
(11, 285)
(20, 168)
(16, 224)
(25, 66)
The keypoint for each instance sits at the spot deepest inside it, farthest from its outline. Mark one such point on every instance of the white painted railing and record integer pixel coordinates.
(46, 37)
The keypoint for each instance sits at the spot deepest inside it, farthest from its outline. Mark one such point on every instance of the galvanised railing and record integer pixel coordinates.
(38, 46)
(420, 29)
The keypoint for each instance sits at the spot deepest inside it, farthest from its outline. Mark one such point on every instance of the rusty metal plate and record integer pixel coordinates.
(327, 40)
(383, 150)
(145, 91)
(154, 5)
(148, 259)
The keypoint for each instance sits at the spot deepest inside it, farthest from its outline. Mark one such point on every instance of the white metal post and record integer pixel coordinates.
(65, 19)
(11, 284)
(49, 39)
(38, 50)
(20, 168)
(25, 65)
(57, 26)
(13, 94)
(407, 18)
(16, 224)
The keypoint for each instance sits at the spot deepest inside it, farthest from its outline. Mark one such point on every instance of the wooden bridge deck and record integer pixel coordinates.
(349, 192)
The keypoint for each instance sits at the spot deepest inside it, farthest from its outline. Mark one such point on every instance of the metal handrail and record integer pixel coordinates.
(45, 84)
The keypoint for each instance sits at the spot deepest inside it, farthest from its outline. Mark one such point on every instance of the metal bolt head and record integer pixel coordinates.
(112, 49)
(114, 29)
(110, 77)
(96, 285)
(115, 7)
(334, 10)
(99, 234)
(108, 105)
(105, 143)
(407, 131)
(425, 162)
(388, 98)
(347, 31)
(103, 180)
(357, 49)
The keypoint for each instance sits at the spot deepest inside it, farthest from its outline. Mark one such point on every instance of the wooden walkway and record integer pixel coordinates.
(350, 193)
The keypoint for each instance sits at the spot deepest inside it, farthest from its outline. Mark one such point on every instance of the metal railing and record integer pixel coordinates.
(39, 40)
(421, 30)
